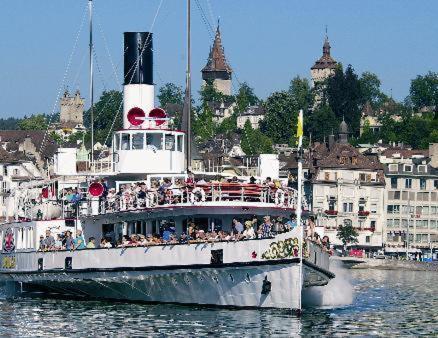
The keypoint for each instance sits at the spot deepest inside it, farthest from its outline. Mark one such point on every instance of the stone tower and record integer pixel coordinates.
(217, 69)
(325, 66)
(72, 110)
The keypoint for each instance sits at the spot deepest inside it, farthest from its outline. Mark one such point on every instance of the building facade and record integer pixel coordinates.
(254, 114)
(348, 188)
(412, 199)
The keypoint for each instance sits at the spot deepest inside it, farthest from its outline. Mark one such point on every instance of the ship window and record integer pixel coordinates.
(137, 141)
(169, 142)
(117, 142)
(154, 141)
(179, 144)
(126, 141)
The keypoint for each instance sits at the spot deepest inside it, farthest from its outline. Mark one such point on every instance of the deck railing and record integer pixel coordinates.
(198, 194)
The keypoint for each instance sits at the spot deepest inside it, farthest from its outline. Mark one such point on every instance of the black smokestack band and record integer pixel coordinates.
(138, 58)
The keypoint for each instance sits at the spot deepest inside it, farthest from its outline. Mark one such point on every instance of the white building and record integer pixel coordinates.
(254, 114)
(15, 169)
(412, 199)
(348, 188)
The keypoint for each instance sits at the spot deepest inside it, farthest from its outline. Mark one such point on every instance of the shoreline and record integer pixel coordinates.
(385, 264)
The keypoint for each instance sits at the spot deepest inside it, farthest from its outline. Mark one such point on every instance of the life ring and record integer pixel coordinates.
(279, 197)
(196, 191)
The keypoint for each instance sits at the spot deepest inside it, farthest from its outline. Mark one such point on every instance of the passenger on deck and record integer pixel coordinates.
(58, 242)
(49, 241)
(311, 227)
(68, 241)
(79, 241)
(266, 227)
(183, 238)
(237, 226)
(325, 243)
(292, 223)
(91, 243)
(278, 226)
(41, 247)
(105, 244)
(249, 232)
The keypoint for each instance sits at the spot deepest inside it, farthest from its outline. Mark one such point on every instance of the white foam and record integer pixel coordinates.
(338, 292)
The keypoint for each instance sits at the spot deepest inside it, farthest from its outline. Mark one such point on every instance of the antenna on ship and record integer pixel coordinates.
(186, 123)
(90, 10)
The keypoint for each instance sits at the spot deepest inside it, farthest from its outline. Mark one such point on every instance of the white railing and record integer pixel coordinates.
(137, 199)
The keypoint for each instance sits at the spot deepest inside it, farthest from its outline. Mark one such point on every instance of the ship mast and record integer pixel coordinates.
(188, 98)
(90, 10)
(299, 202)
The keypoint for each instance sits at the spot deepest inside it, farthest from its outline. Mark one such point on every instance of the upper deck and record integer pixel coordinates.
(214, 197)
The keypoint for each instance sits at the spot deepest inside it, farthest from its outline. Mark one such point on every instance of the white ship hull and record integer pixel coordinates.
(228, 286)
(183, 274)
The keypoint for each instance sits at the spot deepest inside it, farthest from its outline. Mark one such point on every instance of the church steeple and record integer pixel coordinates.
(217, 68)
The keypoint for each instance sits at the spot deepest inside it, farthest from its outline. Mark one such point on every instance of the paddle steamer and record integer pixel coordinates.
(263, 272)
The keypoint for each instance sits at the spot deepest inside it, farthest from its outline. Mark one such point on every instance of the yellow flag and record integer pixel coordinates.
(300, 125)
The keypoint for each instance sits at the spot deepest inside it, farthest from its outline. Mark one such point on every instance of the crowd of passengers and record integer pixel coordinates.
(164, 191)
(167, 192)
(249, 229)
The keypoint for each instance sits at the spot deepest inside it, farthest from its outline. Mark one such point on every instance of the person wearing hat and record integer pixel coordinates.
(249, 232)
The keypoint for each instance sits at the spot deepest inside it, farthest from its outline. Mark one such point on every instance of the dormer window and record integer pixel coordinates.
(393, 167)
(408, 168)
(354, 160)
(422, 169)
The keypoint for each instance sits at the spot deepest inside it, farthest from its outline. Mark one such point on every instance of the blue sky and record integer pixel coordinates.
(266, 42)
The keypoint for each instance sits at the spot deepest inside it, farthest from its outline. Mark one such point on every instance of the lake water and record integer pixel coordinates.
(358, 302)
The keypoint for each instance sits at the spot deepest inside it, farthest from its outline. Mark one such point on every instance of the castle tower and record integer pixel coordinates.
(72, 110)
(217, 69)
(325, 66)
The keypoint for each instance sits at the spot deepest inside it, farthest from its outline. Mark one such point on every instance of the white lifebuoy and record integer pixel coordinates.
(279, 197)
(194, 192)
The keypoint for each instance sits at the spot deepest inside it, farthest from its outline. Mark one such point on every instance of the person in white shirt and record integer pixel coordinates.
(249, 232)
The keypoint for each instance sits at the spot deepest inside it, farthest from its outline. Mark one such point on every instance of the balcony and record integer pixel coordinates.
(331, 213)
(363, 213)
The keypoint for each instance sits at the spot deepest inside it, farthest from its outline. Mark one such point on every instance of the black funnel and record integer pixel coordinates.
(138, 58)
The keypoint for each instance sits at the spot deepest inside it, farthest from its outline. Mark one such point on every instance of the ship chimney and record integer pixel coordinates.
(138, 91)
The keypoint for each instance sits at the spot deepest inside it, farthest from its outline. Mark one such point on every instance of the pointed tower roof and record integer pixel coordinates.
(216, 60)
(326, 60)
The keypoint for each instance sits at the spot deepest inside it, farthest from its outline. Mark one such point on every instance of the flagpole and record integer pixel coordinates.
(299, 205)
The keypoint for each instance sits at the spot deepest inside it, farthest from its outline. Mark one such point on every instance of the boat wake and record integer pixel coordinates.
(337, 293)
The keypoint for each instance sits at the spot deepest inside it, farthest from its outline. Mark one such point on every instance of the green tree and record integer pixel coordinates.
(424, 91)
(280, 120)
(228, 125)
(33, 122)
(204, 127)
(10, 123)
(108, 116)
(170, 93)
(345, 97)
(370, 88)
(368, 136)
(321, 122)
(254, 142)
(245, 97)
(347, 234)
(171, 98)
(301, 92)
